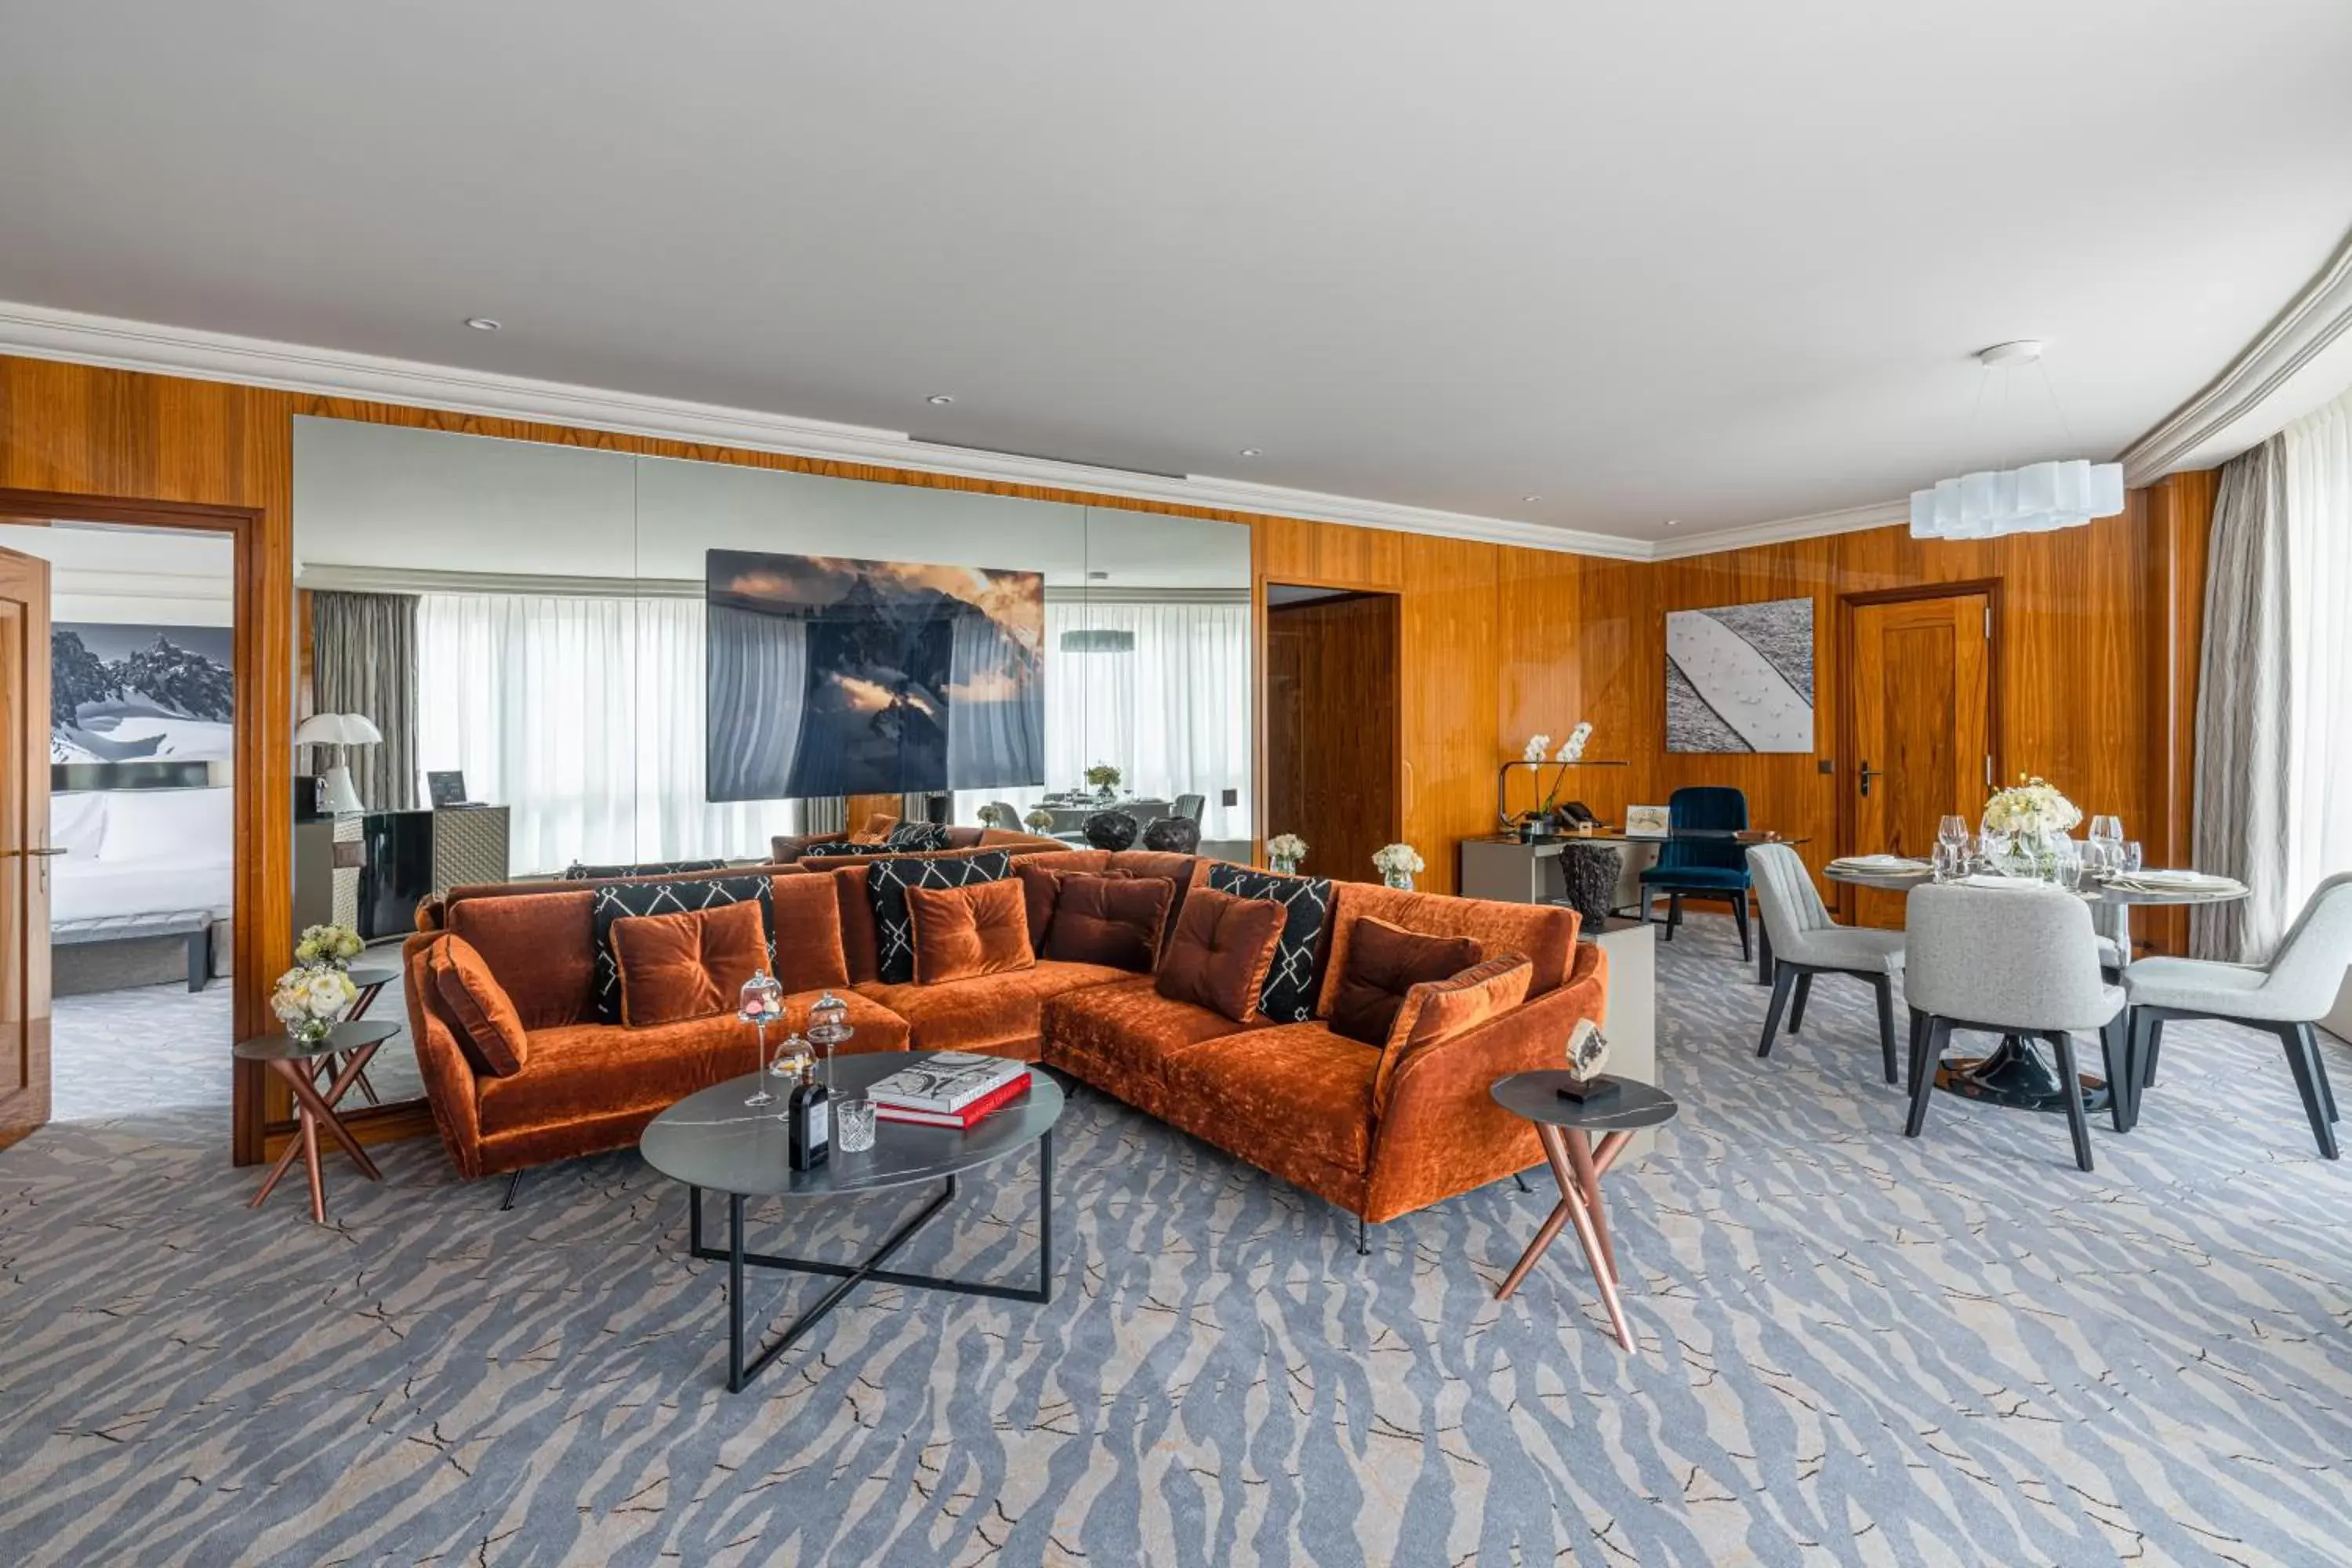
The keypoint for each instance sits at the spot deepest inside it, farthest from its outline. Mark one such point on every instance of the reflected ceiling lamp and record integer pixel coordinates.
(1098, 639)
(2036, 499)
(342, 732)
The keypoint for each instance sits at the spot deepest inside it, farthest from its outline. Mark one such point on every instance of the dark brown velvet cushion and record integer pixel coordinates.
(543, 948)
(1384, 962)
(691, 965)
(1114, 920)
(1220, 953)
(809, 952)
(965, 932)
(489, 1031)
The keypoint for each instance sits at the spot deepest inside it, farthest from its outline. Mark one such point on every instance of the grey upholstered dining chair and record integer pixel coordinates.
(1190, 808)
(1806, 942)
(2005, 961)
(2284, 997)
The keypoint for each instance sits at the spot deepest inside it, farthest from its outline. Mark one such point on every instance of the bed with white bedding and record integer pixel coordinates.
(143, 863)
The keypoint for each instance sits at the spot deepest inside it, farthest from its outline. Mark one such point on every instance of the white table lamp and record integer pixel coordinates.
(340, 731)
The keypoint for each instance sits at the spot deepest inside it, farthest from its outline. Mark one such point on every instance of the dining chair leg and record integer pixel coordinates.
(2115, 1046)
(2302, 1056)
(1674, 913)
(2078, 1123)
(1918, 1044)
(1923, 1078)
(1782, 983)
(2152, 1045)
(2319, 1070)
(1797, 1003)
(1740, 918)
(2144, 1027)
(1885, 991)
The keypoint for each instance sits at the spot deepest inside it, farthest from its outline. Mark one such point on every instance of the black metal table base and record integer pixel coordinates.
(2019, 1076)
(741, 1371)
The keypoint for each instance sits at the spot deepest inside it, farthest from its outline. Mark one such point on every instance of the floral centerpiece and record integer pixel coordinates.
(1398, 864)
(328, 947)
(1105, 778)
(2035, 818)
(311, 999)
(1286, 850)
(1040, 820)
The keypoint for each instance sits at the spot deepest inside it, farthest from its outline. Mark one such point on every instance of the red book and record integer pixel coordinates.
(964, 1119)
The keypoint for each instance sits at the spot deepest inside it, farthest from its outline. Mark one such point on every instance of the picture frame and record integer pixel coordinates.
(447, 788)
(1647, 822)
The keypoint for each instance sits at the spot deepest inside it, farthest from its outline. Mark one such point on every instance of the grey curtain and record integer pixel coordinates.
(824, 813)
(364, 660)
(2242, 692)
(758, 675)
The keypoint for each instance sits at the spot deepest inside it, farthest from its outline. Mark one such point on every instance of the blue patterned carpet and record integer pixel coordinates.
(1855, 1349)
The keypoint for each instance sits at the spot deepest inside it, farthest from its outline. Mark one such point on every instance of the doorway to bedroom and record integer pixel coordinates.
(141, 821)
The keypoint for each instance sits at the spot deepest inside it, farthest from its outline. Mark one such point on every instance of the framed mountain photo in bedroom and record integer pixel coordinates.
(827, 675)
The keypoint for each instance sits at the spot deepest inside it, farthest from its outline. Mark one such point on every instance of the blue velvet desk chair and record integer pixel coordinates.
(1706, 868)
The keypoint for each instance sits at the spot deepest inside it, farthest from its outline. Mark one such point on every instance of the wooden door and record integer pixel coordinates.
(1331, 707)
(1919, 685)
(23, 844)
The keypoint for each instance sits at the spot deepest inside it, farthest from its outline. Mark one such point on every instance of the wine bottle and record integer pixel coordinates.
(808, 1116)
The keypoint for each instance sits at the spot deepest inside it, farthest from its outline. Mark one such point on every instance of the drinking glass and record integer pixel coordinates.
(1992, 849)
(1950, 862)
(2066, 864)
(856, 1129)
(2108, 829)
(2131, 860)
(1952, 831)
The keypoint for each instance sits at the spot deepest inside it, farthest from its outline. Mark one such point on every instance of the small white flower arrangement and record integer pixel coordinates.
(328, 947)
(1286, 850)
(311, 999)
(1103, 775)
(1398, 864)
(1537, 749)
(1040, 820)
(2030, 808)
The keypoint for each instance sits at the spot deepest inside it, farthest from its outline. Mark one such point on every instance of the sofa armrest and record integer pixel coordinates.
(1440, 1131)
(449, 1084)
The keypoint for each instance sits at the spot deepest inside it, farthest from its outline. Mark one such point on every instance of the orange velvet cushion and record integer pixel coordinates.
(1222, 947)
(1436, 1011)
(809, 952)
(489, 1031)
(1384, 962)
(960, 932)
(691, 965)
(1114, 920)
(545, 945)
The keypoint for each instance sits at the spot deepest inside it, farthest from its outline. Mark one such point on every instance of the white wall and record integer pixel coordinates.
(132, 577)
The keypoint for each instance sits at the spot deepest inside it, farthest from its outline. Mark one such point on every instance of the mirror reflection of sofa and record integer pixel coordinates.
(142, 894)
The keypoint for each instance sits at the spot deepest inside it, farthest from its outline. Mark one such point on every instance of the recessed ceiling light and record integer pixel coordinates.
(1531, 499)
(1672, 521)
(939, 400)
(1252, 452)
(482, 323)
(1099, 577)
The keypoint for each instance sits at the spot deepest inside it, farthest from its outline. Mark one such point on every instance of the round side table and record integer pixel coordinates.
(1566, 1127)
(295, 1061)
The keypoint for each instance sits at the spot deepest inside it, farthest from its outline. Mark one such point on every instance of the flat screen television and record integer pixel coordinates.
(827, 676)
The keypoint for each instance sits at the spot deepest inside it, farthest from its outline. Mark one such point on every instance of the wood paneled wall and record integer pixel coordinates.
(1331, 691)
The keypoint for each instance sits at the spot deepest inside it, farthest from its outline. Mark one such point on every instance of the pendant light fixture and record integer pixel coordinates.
(2035, 498)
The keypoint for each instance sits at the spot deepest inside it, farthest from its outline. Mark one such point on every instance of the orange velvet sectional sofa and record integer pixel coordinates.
(1379, 1130)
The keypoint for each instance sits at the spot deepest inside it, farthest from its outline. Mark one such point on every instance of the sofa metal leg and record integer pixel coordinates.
(1522, 1181)
(1362, 1249)
(513, 1182)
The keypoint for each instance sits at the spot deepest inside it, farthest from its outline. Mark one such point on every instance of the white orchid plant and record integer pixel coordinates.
(2030, 808)
(328, 947)
(1537, 749)
(309, 999)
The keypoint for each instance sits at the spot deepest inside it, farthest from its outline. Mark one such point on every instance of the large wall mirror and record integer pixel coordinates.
(575, 657)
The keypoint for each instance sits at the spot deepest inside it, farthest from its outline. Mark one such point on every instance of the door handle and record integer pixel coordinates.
(1868, 774)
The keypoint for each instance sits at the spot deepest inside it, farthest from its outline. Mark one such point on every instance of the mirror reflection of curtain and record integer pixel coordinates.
(364, 660)
(584, 717)
(1173, 715)
(759, 675)
(993, 736)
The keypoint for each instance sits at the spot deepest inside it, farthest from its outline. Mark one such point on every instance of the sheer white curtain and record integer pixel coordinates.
(584, 717)
(1173, 716)
(2317, 453)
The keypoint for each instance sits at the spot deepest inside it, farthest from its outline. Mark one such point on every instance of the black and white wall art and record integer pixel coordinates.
(1740, 679)
(828, 676)
(125, 693)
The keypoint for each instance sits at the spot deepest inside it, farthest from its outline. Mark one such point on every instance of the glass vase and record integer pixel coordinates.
(309, 1031)
(1283, 865)
(1401, 881)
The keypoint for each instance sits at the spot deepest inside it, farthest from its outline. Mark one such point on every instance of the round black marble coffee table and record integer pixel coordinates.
(713, 1139)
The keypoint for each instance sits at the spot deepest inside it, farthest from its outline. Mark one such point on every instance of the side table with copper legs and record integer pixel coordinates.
(1566, 1128)
(296, 1062)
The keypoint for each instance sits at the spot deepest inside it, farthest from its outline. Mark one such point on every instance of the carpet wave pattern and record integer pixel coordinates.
(1854, 1348)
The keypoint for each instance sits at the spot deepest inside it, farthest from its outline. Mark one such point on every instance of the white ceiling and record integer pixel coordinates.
(1714, 261)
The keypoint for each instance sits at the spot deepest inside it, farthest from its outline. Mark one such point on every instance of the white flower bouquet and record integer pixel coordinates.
(311, 999)
(1103, 775)
(1040, 820)
(2030, 808)
(1398, 864)
(1286, 850)
(328, 946)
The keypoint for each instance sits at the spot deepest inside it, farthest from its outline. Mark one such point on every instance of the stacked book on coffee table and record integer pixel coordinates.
(948, 1089)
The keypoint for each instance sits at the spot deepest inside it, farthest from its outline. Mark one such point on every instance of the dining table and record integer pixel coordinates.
(2019, 1072)
(1070, 815)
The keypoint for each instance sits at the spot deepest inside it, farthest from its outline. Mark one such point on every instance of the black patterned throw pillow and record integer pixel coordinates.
(838, 846)
(615, 900)
(917, 835)
(1295, 979)
(576, 872)
(886, 882)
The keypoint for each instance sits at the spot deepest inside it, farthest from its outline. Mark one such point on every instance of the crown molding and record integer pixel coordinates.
(1782, 531)
(2312, 322)
(330, 577)
(40, 332)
